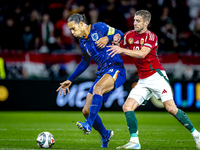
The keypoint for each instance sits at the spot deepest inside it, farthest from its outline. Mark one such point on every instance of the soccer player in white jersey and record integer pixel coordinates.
(141, 44)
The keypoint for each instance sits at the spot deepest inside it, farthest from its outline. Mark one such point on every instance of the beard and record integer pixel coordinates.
(138, 30)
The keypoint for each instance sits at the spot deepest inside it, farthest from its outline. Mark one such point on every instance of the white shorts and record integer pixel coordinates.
(156, 85)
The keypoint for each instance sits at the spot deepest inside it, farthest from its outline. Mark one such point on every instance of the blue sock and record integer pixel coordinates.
(98, 125)
(97, 102)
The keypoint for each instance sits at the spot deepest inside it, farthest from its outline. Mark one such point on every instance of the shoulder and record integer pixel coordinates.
(150, 33)
(131, 32)
(99, 25)
(150, 36)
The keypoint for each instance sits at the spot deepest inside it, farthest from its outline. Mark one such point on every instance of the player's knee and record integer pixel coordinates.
(126, 108)
(172, 110)
(97, 90)
(171, 107)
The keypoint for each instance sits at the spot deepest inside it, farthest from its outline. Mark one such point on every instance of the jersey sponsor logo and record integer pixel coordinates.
(130, 40)
(115, 75)
(88, 52)
(94, 36)
(111, 70)
(142, 41)
(137, 42)
(164, 91)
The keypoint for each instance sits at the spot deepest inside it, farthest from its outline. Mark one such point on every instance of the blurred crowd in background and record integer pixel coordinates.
(41, 25)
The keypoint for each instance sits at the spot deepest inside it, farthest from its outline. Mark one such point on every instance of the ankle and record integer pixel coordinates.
(195, 133)
(134, 139)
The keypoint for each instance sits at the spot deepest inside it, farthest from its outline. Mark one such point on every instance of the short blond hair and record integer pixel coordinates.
(145, 14)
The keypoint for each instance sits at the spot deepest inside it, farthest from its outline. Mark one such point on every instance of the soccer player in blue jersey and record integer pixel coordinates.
(111, 74)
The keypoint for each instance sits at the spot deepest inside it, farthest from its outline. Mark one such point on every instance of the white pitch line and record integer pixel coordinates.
(3, 129)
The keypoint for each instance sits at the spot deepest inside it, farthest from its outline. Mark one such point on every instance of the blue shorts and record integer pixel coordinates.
(119, 76)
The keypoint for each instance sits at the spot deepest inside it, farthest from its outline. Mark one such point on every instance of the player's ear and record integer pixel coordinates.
(146, 23)
(81, 23)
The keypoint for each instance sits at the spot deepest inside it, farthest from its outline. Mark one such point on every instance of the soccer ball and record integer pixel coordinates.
(45, 140)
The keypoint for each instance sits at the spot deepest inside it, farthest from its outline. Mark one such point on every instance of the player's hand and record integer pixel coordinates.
(114, 50)
(102, 42)
(63, 86)
(116, 39)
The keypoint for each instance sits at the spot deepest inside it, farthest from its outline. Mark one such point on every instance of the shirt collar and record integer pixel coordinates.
(88, 32)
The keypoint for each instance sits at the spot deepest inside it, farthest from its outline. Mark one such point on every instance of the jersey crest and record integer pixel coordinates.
(130, 40)
(94, 36)
(142, 41)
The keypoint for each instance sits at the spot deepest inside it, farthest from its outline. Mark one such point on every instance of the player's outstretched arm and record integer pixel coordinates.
(133, 53)
(114, 49)
(63, 86)
(83, 65)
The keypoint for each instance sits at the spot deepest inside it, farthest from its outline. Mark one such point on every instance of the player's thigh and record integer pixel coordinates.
(104, 85)
(87, 105)
(140, 93)
(160, 87)
(112, 79)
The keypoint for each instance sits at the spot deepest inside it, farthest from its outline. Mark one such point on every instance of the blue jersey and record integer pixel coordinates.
(99, 55)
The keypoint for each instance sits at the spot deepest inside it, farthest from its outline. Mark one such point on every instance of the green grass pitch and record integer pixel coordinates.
(157, 130)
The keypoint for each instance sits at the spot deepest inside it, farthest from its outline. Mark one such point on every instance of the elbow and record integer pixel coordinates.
(142, 55)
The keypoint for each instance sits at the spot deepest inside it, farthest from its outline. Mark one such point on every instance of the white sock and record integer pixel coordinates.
(194, 133)
(134, 139)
